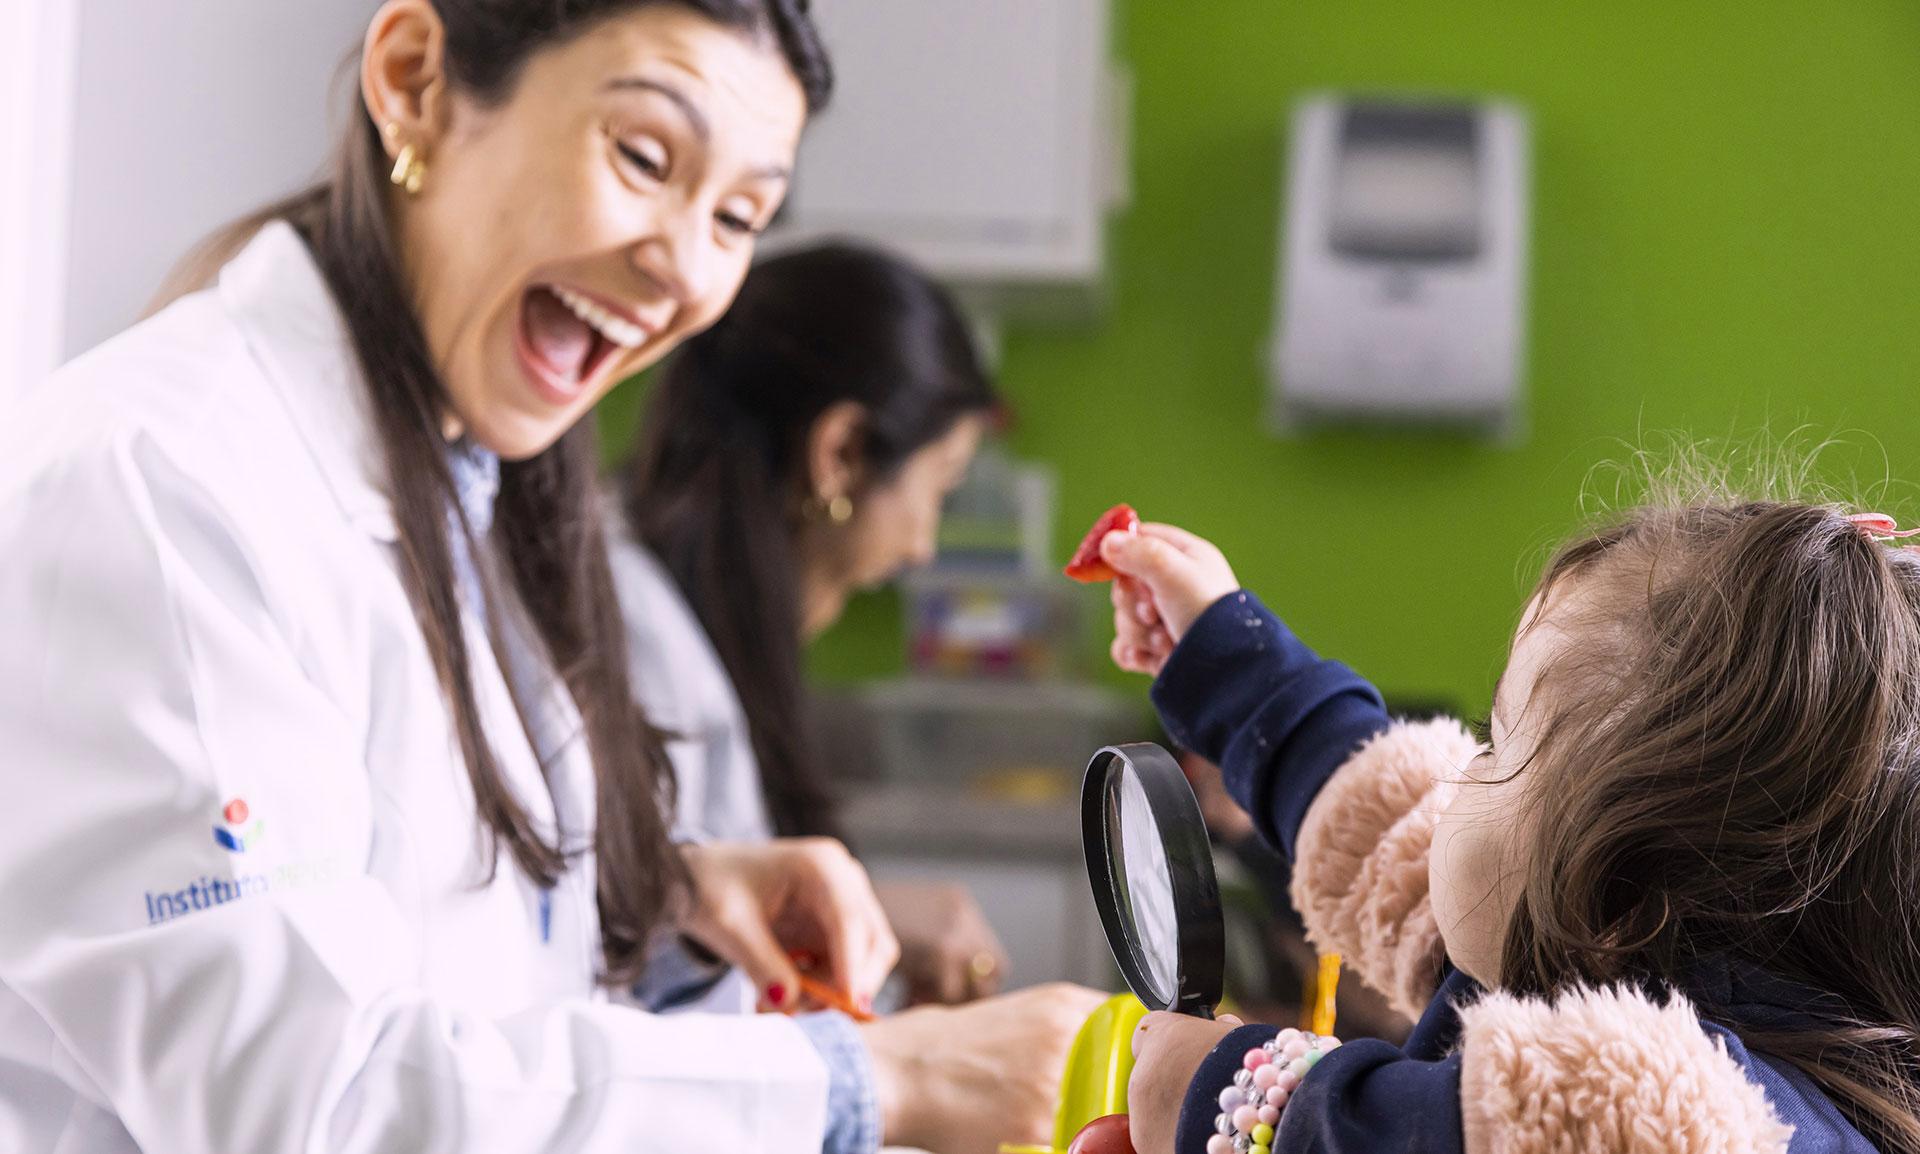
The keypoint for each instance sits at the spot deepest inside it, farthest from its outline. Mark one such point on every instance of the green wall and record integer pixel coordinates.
(1727, 223)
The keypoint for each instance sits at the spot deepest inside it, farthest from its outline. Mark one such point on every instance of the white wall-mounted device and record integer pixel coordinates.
(1403, 275)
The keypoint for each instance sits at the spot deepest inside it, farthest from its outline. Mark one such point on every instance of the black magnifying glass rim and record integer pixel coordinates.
(1200, 929)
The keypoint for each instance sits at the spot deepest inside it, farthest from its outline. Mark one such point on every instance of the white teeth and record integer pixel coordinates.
(619, 330)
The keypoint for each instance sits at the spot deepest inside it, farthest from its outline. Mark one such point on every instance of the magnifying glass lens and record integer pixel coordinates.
(1152, 876)
(1149, 885)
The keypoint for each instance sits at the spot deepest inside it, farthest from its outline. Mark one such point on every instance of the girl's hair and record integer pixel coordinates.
(717, 488)
(546, 529)
(1730, 766)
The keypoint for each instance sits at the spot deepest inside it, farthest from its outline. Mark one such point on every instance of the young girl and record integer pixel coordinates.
(1664, 903)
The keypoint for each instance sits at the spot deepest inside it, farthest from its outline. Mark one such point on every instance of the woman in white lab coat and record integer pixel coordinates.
(796, 451)
(329, 819)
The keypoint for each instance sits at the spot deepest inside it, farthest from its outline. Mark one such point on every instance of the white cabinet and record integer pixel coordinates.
(980, 137)
(985, 139)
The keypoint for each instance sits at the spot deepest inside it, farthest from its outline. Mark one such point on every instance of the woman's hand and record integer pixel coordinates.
(948, 952)
(963, 1080)
(757, 904)
(1167, 1052)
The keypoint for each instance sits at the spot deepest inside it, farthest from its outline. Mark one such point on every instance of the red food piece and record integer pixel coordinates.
(1086, 564)
(1106, 1135)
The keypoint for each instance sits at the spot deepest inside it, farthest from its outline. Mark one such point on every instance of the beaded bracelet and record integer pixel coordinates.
(1269, 1074)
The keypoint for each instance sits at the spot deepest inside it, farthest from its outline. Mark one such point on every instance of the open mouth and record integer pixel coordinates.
(567, 338)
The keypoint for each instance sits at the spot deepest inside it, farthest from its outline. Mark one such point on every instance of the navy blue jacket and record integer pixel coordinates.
(1242, 691)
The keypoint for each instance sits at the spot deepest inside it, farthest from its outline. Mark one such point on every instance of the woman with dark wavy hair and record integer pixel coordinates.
(796, 452)
(332, 823)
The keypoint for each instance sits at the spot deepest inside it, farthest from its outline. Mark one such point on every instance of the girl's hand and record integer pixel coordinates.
(1167, 577)
(755, 905)
(1167, 1052)
(962, 1080)
(948, 952)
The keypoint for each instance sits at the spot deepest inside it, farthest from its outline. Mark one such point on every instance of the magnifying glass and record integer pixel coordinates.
(1152, 875)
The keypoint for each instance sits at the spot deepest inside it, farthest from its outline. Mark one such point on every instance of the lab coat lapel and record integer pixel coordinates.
(277, 295)
(275, 292)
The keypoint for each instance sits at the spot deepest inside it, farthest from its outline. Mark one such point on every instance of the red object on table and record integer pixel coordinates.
(1086, 565)
(1108, 1135)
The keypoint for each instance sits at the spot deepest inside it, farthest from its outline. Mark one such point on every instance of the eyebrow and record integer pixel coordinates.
(696, 118)
(702, 127)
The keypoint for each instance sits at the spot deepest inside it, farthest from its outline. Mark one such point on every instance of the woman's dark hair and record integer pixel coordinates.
(717, 487)
(1730, 768)
(547, 528)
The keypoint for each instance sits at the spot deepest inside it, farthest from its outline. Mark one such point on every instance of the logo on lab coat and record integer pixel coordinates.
(234, 835)
(206, 892)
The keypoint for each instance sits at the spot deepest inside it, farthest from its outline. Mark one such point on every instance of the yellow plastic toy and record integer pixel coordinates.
(1101, 1061)
(1098, 1066)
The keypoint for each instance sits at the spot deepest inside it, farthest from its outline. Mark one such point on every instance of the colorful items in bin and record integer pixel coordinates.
(1094, 1085)
(986, 625)
(1265, 1083)
(1086, 566)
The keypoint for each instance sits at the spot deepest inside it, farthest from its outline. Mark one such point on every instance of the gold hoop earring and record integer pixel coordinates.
(409, 170)
(840, 509)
